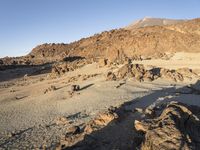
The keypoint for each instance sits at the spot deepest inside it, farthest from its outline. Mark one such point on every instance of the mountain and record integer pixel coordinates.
(159, 36)
(146, 22)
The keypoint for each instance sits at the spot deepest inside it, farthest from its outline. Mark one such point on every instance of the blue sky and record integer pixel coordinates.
(27, 23)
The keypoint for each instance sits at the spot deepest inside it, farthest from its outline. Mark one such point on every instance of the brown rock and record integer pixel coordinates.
(124, 71)
(171, 75)
(176, 128)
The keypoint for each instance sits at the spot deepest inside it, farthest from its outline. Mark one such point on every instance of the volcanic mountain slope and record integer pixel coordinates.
(122, 43)
(119, 44)
(147, 21)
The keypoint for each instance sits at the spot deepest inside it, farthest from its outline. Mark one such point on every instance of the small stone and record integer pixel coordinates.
(75, 87)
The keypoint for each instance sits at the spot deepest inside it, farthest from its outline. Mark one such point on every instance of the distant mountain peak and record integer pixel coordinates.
(150, 21)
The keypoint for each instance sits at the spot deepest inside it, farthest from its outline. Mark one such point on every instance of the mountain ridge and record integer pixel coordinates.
(121, 44)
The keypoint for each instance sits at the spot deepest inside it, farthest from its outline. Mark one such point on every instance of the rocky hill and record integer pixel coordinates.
(145, 39)
(122, 43)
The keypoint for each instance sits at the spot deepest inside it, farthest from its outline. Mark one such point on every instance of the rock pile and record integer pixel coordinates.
(63, 67)
(176, 127)
(78, 133)
(140, 73)
(171, 75)
(130, 70)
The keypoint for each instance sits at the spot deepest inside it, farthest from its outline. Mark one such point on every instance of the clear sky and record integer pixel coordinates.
(27, 23)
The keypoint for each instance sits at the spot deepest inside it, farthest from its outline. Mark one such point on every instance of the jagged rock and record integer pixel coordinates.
(177, 127)
(139, 72)
(64, 67)
(171, 74)
(76, 133)
(124, 71)
(59, 69)
(117, 44)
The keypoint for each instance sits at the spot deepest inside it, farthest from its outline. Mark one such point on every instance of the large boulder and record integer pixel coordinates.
(177, 127)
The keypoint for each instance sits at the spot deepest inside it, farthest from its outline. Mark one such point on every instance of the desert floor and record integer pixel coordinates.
(30, 114)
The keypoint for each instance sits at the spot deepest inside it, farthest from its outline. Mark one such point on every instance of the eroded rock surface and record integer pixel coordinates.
(140, 73)
(177, 127)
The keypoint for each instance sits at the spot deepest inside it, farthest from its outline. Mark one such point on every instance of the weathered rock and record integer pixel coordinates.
(177, 127)
(171, 75)
(124, 71)
(140, 73)
(75, 133)
(66, 66)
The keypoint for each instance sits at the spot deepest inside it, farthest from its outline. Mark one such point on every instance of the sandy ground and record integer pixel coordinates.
(179, 60)
(25, 109)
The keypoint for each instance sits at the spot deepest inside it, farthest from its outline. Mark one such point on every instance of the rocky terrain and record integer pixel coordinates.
(118, 45)
(131, 88)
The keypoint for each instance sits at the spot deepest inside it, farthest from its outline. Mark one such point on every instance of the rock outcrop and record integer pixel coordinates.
(140, 73)
(121, 44)
(66, 66)
(175, 126)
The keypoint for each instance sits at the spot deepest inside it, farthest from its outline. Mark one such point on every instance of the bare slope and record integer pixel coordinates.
(119, 44)
(153, 22)
(122, 43)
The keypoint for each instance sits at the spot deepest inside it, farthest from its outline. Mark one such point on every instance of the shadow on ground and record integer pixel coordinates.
(14, 72)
